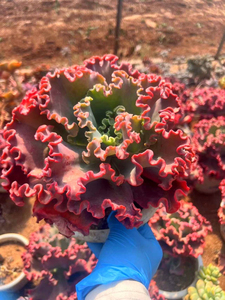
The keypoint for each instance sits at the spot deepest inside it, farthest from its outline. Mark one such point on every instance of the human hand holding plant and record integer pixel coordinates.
(127, 254)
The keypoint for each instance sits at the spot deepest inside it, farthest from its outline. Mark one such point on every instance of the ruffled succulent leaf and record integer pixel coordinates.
(204, 103)
(209, 145)
(56, 264)
(183, 232)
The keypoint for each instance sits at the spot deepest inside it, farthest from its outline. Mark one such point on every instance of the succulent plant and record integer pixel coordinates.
(203, 103)
(181, 233)
(209, 144)
(210, 273)
(55, 264)
(96, 138)
(205, 290)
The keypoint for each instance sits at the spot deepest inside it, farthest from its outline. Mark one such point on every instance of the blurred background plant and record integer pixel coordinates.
(54, 264)
(207, 287)
(182, 238)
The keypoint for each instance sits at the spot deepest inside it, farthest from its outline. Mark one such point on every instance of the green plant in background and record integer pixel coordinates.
(210, 273)
(205, 290)
(222, 82)
(207, 287)
(57, 6)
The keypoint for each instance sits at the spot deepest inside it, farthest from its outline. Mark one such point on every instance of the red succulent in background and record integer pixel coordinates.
(182, 232)
(55, 264)
(209, 144)
(96, 137)
(203, 103)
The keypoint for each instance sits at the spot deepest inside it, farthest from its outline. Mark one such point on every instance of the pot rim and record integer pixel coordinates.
(21, 280)
(100, 235)
(182, 293)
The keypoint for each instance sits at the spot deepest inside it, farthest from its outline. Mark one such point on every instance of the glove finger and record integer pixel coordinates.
(146, 231)
(113, 221)
(118, 232)
(95, 248)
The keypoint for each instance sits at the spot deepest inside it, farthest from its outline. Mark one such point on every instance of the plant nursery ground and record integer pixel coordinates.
(67, 31)
(63, 32)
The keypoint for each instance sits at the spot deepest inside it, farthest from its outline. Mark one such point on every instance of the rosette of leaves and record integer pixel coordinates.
(181, 233)
(154, 291)
(96, 138)
(209, 144)
(55, 264)
(205, 290)
(210, 273)
(203, 103)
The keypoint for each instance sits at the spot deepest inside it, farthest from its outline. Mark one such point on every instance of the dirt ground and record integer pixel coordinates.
(67, 31)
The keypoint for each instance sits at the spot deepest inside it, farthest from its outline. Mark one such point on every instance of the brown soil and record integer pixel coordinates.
(173, 282)
(39, 32)
(17, 219)
(11, 264)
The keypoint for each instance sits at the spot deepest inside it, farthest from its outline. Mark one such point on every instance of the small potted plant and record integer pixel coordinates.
(182, 237)
(55, 264)
(96, 138)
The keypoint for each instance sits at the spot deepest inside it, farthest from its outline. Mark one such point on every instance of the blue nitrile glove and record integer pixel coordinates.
(126, 254)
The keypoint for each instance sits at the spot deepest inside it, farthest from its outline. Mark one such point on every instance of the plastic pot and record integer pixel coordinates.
(21, 280)
(210, 185)
(100, 235)
(182, 293)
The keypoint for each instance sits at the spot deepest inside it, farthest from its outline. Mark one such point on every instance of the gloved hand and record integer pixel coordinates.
(126, 254)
